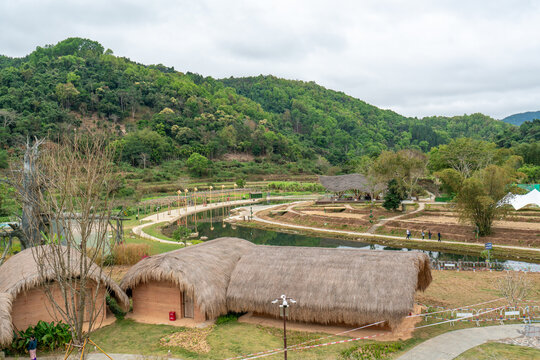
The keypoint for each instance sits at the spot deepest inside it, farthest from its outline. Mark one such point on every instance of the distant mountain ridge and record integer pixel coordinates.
(518, 119)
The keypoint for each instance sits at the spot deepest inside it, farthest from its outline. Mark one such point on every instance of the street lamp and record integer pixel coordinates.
(284, 311)
(195, 206)
(211, 222)
(179, 192)
(186, 191)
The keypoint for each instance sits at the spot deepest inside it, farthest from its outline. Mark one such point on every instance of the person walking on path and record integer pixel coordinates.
(423, 234)
(31, 347)
(439, 236)
(429, 234)
(408, 234)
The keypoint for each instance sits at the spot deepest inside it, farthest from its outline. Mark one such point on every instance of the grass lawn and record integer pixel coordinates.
(155, 231)
(494, 350)
(156, 247)
(227, 340)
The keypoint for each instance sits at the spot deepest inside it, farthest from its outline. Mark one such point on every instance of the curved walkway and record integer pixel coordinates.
(175, 214)
(367, 234)
(449, 345)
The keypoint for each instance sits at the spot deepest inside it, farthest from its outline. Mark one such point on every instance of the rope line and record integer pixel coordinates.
(299, 347)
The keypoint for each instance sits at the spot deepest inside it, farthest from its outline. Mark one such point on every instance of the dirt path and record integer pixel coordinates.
(373, 229)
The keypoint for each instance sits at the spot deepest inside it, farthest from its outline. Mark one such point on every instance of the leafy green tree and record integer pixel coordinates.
(532, 173)
(464, 155)
(241, 183)
(406, 165)
(395, 193)
(144, 147)
(3, 159)
(478, 196)
(181, 234)
(452, 180)
(198, 164)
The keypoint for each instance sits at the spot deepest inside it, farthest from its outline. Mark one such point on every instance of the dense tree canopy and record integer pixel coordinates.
(160, 113)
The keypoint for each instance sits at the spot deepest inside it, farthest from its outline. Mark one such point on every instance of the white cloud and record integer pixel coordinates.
(416, 57)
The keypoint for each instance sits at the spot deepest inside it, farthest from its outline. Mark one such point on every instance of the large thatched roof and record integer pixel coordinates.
(348, 286)
(204, 269)
(21, 272)
(347, 182)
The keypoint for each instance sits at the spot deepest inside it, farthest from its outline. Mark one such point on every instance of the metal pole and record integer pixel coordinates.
(285, 332)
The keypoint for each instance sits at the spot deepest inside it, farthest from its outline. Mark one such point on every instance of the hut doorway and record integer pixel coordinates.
(188, 305)
(155, 300)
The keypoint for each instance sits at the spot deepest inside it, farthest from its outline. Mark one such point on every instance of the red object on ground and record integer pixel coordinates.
(172, 315)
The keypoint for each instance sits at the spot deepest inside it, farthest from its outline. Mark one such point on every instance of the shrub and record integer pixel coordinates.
(130, 254)
(114, 307)
(225, 319)
(295, 186)
(49, 336)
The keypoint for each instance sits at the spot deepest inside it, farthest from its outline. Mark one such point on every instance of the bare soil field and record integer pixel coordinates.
(520, 228)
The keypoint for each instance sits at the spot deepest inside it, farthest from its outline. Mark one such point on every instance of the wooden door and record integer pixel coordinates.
(188, 304)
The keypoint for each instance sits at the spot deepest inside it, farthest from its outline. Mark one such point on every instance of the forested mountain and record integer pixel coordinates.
(343, 127)
(518, 119)
(158, 113)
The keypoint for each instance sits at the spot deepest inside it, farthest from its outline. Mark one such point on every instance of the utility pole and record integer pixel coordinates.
(284, 311)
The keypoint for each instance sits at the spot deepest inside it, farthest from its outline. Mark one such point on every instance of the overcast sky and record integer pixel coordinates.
(417, 58)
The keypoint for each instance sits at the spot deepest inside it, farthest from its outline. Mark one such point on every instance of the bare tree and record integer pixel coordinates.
(514, 286)
(76, 178)
(8, 117)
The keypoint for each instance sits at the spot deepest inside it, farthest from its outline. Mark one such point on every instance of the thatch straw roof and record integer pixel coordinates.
(347, 182)
(347, 286)
(204, 269)
(21, 272)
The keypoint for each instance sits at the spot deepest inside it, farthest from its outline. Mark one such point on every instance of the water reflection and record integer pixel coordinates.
(207, 226)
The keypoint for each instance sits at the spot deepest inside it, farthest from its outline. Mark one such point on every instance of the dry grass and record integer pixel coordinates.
(452, 289)
(191, 339)
(130, 254)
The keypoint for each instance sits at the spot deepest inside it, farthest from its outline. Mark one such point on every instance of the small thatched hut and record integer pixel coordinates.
(342, 183)
(23, 301)
(191, 281)
(341, 286)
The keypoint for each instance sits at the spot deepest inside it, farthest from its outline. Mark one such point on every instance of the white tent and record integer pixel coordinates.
(520, 201)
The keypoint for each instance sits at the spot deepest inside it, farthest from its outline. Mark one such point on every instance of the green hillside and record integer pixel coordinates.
(518, 119)
(158, 113)
(342, 127)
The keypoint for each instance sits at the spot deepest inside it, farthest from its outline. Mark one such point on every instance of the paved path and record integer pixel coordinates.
(449, 345)
(175, 214)
(366, 234)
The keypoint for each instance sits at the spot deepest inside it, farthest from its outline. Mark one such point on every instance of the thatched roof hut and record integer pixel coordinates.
(204, 270)
(346, 286)
(341, 183)
(21, 273)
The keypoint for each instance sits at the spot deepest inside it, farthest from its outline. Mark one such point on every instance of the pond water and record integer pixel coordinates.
(211, 225)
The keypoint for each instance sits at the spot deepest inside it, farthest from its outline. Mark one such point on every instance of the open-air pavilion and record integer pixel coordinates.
(357, 184)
